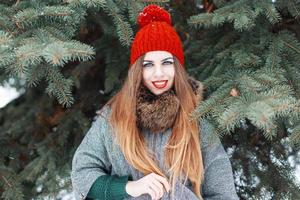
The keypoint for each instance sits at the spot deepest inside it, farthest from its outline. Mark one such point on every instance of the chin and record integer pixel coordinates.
(158, 92)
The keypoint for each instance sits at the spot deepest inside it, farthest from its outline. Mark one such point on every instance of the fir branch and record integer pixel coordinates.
(124, 30)
(230, 117)
(201, 20)
(59, 86)
(18, 1)
(271, 12)
(216, 98)
(294, 10)
(12, 188)
(133, 9)
(5, 23)
(87, 3)
(292, 47)
(294, 138)
(6, 181)
(29, 54)
(268, 76)
(5, 39)
(34, 74)
(30, 16)
(290, 41)
(59, 53)
(247, 83)
(273, 59)
(242, 20)
(6, 60)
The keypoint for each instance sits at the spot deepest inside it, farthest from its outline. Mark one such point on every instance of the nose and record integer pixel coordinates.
(158, 71)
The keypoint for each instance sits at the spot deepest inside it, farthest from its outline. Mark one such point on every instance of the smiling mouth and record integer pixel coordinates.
(160, 84)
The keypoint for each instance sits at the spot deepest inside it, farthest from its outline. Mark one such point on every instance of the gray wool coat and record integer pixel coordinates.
(99, 154)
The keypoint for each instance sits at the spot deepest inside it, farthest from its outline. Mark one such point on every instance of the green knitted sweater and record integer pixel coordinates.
(114, 186)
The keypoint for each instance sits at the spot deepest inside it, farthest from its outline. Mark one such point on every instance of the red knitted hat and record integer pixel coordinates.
(156, 33)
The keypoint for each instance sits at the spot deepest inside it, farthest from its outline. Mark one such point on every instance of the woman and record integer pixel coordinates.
(144, 144)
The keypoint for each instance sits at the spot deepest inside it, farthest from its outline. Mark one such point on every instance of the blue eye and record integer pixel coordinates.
(165, 63)
(147, 64)
(169, 62)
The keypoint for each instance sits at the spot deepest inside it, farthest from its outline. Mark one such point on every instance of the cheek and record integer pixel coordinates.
(145, 75)
(171, 72)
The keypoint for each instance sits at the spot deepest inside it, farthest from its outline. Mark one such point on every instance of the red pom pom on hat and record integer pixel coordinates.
(153, 13)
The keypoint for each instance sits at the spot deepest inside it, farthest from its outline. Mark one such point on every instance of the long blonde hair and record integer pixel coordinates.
(183, 155)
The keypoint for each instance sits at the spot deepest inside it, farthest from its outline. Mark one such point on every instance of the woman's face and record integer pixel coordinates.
(158, 71)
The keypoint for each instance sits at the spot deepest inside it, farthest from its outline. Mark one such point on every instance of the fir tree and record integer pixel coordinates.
(68, 57)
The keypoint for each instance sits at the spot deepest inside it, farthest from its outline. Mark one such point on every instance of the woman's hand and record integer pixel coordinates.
(151, 184)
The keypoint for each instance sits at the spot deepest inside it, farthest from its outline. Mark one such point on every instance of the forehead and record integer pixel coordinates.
(157, 55)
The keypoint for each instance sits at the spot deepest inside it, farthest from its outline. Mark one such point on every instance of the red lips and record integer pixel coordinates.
(160, 84)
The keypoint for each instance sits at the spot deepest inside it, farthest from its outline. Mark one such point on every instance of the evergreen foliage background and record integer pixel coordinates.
(68, 57)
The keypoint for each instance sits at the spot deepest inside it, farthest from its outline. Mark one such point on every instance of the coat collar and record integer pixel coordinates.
(158, 112)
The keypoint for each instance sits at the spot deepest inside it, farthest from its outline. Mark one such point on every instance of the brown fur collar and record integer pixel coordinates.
(158, 112)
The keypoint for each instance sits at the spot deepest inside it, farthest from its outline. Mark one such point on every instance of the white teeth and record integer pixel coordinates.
(160, 84)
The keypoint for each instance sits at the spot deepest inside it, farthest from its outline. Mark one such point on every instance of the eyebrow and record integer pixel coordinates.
(162, 59)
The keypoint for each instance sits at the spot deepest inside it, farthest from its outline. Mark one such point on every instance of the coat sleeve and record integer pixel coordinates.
(218, 177)
(90, 162)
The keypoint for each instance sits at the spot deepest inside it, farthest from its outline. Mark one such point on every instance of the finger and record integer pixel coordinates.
(163, 181)
(156, 191)
(158, 186)
(151, 192)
